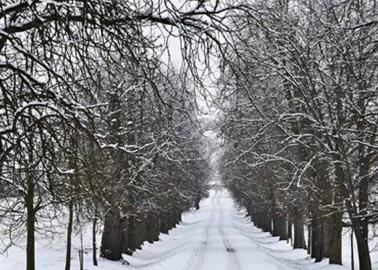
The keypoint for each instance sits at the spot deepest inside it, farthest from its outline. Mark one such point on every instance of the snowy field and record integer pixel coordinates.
(218, 236)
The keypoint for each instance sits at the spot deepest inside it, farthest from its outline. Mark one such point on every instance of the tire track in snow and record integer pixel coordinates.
(279, 261)
(196, 259)
(235, 263)
(198, 256)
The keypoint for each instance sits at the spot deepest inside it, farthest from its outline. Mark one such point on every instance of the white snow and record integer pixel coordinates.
(218, 236)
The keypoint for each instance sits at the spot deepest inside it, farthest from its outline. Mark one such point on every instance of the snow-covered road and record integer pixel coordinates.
(218, 236)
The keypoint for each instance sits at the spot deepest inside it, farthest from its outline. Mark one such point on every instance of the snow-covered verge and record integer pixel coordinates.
(218, 236)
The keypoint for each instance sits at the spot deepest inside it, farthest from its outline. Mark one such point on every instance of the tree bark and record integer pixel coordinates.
(362, 222)
(362, 246)
(279, 226)
(172, 220)
(69, 235)
(335, 252)
(326, 235)
(289, 229)
(30, 224)
(131, 236)
(359, 223)
(316, 240)
(136, 233)
(299, 237)
(309, 239)
(152, 228)
(266, 223)
(94, 244)
(140, 232)
(125, 238)
(178, 216)
(164, 227)
(111, 240)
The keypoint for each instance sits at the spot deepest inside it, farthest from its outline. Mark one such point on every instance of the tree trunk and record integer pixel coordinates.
(359, 221)
(164, 227)
(361, 239)
(267, 223)
(363, 247)
(125, 239)
(178, 216)
(326, 235)
(140, 232)
(197, 203)
(81, 251)
(111, 240)
(255, 217)
(94, 244)
(152, 228)
(279, 226)
(131, 236)
(289, 229)
(309, 239)
(316, 240)
(136, 233)
(69, 236)
(171, 220)
(30, 225)
(351, 250)
(335, 255)
(275, 225)
(299, 237)
(362, 234)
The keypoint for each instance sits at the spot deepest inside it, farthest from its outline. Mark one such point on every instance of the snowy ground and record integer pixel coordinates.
(218, 237)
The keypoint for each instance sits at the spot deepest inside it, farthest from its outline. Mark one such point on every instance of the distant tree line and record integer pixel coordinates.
(300, 121)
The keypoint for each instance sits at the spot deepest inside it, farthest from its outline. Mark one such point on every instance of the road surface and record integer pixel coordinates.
(218, 236)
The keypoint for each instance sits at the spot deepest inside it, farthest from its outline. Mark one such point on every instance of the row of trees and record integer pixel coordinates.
(94, 124)
(300, 121)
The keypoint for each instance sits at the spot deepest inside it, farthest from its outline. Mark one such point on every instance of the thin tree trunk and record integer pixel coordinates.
(81, 251)
(352, 250)
(362, 219)
(362, 234)
(309, 239)
(69, 236)
(30, 225)
(197, 202)
(94, 244)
